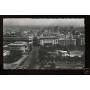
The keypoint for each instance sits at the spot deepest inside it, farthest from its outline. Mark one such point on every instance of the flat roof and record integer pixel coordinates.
(48, 38)
(15, 44)
(18, 43)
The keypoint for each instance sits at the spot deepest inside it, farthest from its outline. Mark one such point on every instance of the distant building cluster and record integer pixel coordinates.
(61, 38)
(57, 38)
(46, 37)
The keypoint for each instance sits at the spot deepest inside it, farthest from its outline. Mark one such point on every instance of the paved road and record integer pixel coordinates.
(14, 65)
(30, 60)
(25, 64)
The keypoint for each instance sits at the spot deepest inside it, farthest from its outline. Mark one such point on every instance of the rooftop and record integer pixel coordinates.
(13, 44)
(20, 43)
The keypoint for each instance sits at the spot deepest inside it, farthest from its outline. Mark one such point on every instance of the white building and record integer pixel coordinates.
(18, 46)
(57, 38)
(48, 38)
(30, 37)
(52, 41)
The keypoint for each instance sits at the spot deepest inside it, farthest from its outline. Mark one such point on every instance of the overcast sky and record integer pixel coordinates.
(44, 22)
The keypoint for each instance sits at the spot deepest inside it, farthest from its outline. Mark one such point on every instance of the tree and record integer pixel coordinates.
(42, 53)
(17, 53)
(14, 56)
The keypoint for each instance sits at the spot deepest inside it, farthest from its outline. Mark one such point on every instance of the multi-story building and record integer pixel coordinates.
(48, 38)
(80, 40)
(57, 38)
(18, 46)
(30, 38)
(51, 41)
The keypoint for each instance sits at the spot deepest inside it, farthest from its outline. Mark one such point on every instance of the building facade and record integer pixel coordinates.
(57, 38)
(48, 38)
(18, 46)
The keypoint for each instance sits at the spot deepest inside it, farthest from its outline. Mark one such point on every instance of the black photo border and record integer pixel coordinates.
(85, 71)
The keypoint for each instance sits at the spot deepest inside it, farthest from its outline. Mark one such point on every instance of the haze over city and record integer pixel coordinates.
(76, 22)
